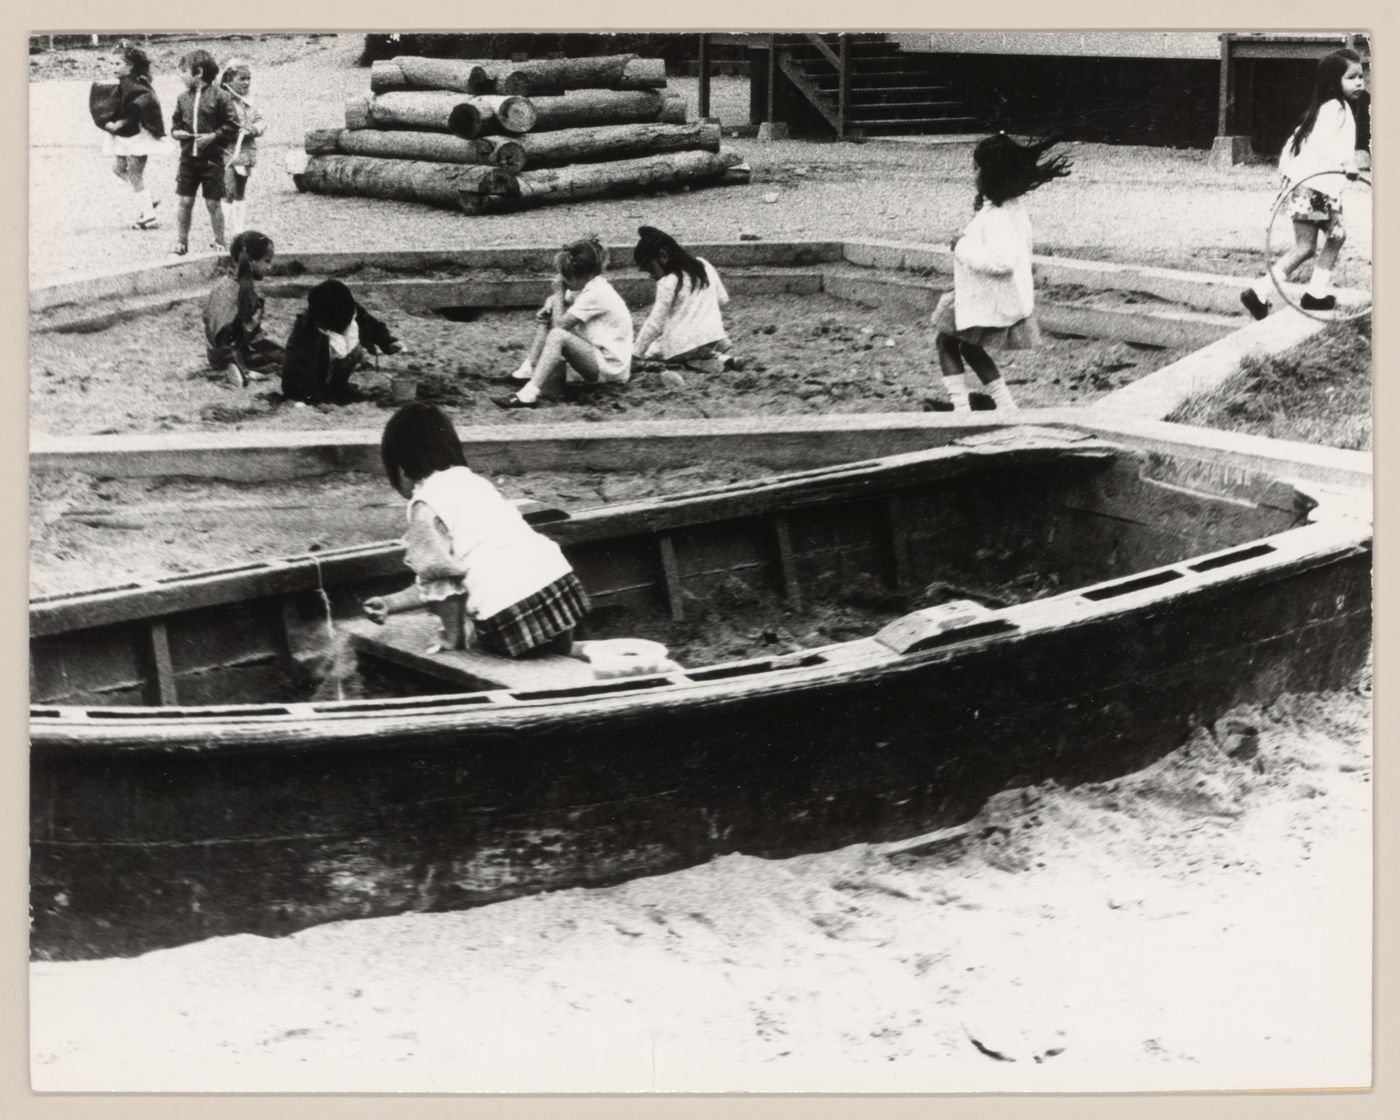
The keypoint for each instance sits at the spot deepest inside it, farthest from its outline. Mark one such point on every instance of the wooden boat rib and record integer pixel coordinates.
(1035, 604)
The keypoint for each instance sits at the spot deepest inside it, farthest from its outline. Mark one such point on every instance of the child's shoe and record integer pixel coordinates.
(1311, 302)
(980, 402)
(1253, 304)
(513, 402)
(521, 375)
(180, 248)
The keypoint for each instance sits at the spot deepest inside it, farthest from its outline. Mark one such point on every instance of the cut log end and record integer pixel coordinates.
(516, 114)
(465, 121)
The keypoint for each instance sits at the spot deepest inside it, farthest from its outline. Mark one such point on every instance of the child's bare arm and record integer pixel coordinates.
(380, 607)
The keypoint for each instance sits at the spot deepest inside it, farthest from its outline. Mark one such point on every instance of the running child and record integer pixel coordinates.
(1324, 141)
(480, 567)
(584, 332)
(233, 315)
(328, 343)
(131, 119)
(685, 328)
(206, 125)
(236, 80)
(992, 304)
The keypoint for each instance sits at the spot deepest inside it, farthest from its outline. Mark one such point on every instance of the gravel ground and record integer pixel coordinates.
(1150, 205)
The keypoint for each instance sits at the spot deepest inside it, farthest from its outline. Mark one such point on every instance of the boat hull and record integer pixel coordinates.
(202, 829)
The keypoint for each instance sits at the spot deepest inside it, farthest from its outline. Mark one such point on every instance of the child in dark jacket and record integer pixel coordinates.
(206, 124)
(130, 115)
(329, 341)
(235, 343)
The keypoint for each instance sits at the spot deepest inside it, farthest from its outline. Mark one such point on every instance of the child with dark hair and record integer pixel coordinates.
(685, 328)
(584, 332)
(328, 343)
(206, 125)
(130, 115)
(475, 557)
(1324, 143)
(992, 303)
(233, 314)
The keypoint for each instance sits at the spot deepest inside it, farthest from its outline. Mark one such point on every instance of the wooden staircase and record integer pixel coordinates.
(864, 85)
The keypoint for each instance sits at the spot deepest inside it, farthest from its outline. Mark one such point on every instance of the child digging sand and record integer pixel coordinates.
(328, 343)
(585, 330)
(480, 567)
(992, 304)
(205, 124)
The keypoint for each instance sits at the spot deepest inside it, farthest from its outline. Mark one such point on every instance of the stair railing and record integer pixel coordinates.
(840, 59)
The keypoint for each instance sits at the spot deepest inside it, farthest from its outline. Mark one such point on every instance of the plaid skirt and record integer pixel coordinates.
(1021, 335)
(536, 620)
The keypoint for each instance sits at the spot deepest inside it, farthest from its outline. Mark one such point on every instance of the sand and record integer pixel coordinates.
(1203, 923)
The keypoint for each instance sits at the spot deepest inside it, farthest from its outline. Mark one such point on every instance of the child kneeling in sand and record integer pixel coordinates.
(475, 556)
(585, 330)
(685, 329)
(233, 315)
(328, 343)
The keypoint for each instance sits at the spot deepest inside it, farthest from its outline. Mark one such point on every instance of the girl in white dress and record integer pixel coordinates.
(992, 304)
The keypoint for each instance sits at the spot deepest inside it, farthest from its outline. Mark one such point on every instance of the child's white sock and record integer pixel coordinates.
(1320, 282)
(956, 384)
(230, 221)
(529, 393)
(1000, 394)
(1263, 288)
(523, 372)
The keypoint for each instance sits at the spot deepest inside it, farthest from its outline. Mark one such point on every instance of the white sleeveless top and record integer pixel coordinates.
(504, 559)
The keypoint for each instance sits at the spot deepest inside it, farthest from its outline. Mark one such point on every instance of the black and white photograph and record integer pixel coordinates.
(522, 590)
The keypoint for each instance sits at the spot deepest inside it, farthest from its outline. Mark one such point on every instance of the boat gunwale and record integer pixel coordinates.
(342, 724)
(132, 601)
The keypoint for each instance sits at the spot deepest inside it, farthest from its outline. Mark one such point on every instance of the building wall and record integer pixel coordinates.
(1112, 44)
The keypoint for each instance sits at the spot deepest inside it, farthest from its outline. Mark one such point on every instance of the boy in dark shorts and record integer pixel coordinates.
(205, 123)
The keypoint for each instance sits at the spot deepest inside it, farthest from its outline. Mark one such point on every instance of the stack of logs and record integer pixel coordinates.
(487, 136)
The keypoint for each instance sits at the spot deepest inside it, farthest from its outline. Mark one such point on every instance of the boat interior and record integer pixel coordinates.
(732, 580)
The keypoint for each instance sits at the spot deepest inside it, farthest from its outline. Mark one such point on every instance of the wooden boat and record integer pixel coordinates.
(1021, 605)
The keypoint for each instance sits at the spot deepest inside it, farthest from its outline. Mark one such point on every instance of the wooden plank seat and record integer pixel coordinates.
(404, 640)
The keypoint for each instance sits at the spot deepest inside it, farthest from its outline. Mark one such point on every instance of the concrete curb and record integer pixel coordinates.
(1159, 393)
(782, 443)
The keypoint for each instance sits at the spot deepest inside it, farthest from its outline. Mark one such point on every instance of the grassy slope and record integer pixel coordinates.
(1317, 392)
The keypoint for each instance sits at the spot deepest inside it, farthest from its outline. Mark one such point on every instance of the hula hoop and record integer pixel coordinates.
(1271, 253)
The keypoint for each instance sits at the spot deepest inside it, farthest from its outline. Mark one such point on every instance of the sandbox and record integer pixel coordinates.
(142, 455)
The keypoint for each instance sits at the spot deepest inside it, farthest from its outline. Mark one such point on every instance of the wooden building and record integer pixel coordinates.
(1235, 93)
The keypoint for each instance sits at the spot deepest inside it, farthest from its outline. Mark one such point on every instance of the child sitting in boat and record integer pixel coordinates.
(474, 555)
(328, 343)
(685, 329)
(584, 332)
(233, 314)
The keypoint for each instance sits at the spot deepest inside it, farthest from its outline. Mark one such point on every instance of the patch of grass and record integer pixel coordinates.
(1317, 392)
